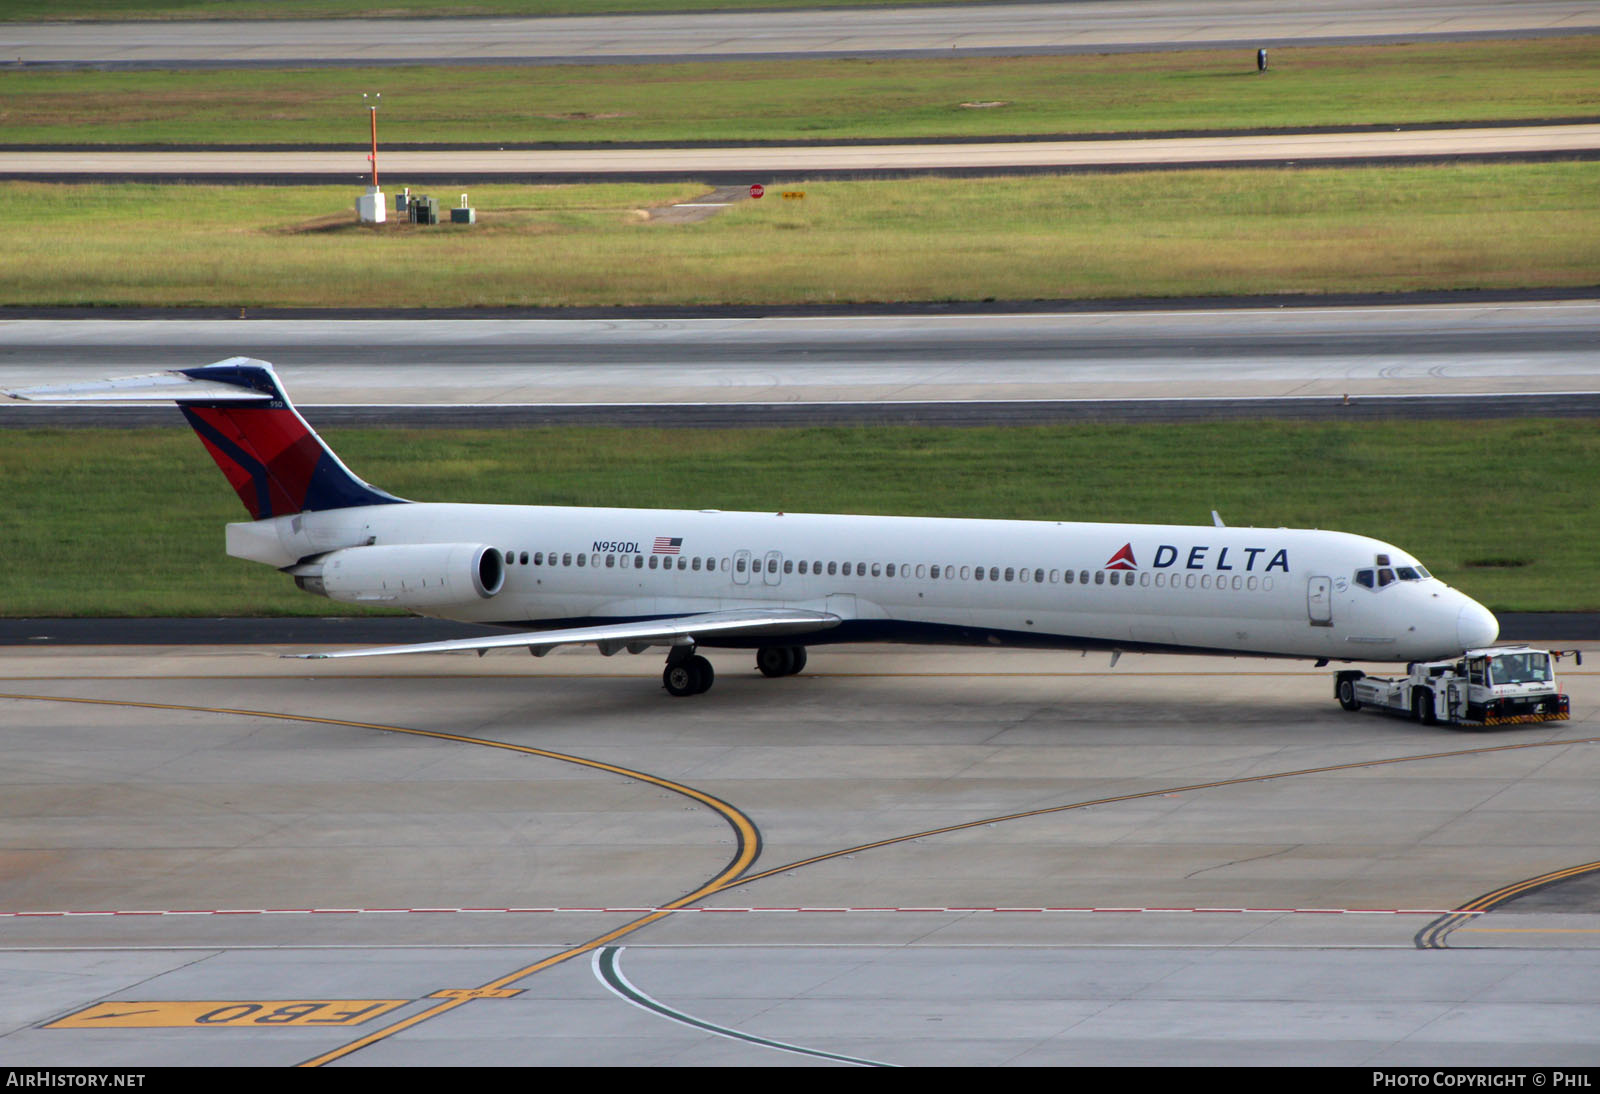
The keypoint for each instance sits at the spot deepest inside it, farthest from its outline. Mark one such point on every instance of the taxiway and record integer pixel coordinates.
(902, 857)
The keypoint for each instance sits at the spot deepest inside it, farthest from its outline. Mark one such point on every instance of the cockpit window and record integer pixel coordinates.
(1385, 577)
(1408, 573)
(1364, 579)
(1423, 572)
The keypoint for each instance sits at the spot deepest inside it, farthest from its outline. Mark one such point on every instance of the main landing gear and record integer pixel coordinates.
(687, 673)
(774, 661)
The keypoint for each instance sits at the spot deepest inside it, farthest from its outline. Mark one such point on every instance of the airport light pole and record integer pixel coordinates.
(372, 108)
(369, 206)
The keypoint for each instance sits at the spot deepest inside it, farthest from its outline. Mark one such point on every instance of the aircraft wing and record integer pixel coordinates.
(611, 637)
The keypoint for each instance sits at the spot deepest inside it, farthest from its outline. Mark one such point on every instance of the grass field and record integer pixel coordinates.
(786, 100)
(1074, 236)
(130, 522)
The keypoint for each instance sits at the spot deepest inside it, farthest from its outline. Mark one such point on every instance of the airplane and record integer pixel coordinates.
(778, 583)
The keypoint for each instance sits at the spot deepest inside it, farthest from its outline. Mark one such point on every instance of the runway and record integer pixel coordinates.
(717, 165)
(904, 31)
(917, 857)
(1466, 359)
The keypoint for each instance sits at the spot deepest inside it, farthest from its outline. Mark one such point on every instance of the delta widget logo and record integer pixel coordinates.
(1123, 559)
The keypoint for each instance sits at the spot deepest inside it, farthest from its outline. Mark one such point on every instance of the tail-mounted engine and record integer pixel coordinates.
(415, 576)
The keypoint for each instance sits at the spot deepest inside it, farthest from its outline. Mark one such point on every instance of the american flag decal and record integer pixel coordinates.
(666, 546)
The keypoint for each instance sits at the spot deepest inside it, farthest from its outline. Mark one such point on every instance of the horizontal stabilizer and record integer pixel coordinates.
(152, 387)
(683, 629)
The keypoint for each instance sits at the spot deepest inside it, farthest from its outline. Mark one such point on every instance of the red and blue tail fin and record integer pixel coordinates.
(275, 461)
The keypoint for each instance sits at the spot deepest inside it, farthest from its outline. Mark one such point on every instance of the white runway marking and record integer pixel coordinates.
(609, 972)
(647, 910)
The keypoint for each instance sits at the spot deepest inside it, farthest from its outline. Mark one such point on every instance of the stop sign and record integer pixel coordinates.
(756, 189)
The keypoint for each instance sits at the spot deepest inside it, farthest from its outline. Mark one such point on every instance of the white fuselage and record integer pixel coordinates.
(1272, 591)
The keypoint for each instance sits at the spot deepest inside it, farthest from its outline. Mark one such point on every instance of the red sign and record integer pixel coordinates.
(756, 189)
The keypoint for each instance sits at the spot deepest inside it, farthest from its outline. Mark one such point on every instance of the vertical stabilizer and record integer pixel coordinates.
(275, 461)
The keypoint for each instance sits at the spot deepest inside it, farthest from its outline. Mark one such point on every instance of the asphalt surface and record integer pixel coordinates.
(1482, 356)
(722, 165)
(964, 412)
(975, 30)
(901, 856)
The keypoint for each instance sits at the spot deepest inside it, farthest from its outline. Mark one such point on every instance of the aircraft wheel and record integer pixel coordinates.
(704, 673)
(774, 661)
(1347, 694)
(799, 659)
(685, 678)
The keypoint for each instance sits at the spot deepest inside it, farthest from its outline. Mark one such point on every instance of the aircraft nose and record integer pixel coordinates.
(1476, 626)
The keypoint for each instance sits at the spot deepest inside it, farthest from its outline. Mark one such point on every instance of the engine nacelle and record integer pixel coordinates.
(416, 576)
